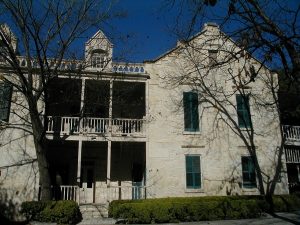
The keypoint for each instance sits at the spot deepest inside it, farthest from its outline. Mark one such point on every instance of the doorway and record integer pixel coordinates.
(87, 182)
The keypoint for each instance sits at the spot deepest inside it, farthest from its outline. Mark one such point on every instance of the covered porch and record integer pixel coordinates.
(97, 172)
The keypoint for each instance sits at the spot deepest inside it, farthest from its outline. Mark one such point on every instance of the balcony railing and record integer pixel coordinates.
(291, 133)
(63, 192)
(116, 67)
(91, 125)
(71, 192)
(126, 193)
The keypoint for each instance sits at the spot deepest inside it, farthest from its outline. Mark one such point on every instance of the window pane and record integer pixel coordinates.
(197, 180)
(189, 180)
(189, 164)
(196, 164)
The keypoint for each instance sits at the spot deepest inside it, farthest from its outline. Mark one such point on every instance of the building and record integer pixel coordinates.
(135, 130)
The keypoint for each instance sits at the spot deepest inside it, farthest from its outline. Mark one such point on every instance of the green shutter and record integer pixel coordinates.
(243, 111)
(248, 170)
(187, 114)
(193, 172)
(194, 111)
(5, 100)
(191, 115)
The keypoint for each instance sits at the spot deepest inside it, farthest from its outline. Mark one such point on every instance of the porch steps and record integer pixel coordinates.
(92, 211)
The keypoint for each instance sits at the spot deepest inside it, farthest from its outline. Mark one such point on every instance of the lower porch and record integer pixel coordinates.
(292, 155)
(97, 172)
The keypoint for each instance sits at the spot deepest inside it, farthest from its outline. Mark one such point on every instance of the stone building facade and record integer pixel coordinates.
(141, 130)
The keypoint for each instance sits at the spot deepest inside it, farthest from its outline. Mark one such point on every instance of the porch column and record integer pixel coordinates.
(110, 103)
(108, 162)
(82, 95)
(298, 170)
(79, 161)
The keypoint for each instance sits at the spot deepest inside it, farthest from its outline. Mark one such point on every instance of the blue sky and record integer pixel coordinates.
(147, 30)
(144, 32)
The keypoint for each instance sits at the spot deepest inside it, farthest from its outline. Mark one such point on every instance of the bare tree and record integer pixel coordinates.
(268, 30)
(46, 31)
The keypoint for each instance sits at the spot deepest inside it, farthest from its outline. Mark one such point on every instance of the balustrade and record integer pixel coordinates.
(291, 133)
(126, 192)
(90, 125)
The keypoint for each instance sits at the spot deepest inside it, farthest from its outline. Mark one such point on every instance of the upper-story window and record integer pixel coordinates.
(213, 57)
(243, 111)
(5, 100)
(191, 113)
(99, 60)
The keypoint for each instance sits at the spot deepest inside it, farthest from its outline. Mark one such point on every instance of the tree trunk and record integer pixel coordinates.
(44, 175)
(41, 153)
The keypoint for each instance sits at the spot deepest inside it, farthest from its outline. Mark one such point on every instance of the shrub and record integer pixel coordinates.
(286, 203)
(197, 208)
(31, 210)
(61, 212)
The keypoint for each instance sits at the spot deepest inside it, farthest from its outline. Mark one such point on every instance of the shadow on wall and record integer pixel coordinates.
(9, 211)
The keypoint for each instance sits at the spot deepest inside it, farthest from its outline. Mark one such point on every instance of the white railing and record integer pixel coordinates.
(126, 193)
(127, 126)
(292, 133)
(69, 192)
(65, 64)
(128, 68)
(292, 154)
(95, 125)
(70, 125)
(64, 192)
(75, 125)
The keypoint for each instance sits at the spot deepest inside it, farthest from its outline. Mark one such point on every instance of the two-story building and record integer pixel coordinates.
(126, 131)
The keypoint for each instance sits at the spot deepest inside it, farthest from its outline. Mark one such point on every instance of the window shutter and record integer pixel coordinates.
(193, 172)
(5, 99)
(187, 114)
(194, 111)
(248, 171)
(191, 115)
(243, 111)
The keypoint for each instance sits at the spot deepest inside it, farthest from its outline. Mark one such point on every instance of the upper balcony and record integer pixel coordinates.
(96, 108)
(95, 126)
(73, 65)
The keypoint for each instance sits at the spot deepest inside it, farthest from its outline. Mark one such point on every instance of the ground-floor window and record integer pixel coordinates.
(193, 171)
(249, 177)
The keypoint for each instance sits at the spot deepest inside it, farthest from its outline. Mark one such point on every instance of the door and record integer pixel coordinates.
(137, 180)
(87, 184)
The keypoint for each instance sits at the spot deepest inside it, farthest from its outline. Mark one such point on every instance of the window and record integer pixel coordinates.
(191, 115)
(243, 111)
(249, 178)
(98, 60)
(193, 171)
(5, 99)
(212, 55)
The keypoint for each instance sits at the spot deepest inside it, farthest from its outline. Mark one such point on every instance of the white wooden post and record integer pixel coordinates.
(81, 105)
(108, 162)
(110, 105)
(79, 161)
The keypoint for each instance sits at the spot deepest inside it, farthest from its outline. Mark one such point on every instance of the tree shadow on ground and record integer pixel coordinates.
(293, 221)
